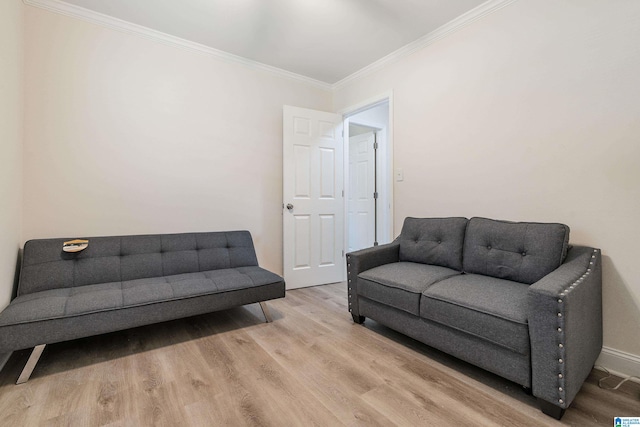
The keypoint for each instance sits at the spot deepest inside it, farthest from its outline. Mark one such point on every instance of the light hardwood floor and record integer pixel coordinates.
(311, 367)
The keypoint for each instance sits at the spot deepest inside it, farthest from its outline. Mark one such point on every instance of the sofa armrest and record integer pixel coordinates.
(366, 259)
(565, 326)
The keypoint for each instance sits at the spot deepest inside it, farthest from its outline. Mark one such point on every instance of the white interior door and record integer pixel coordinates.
(361, 203)
(313, 208)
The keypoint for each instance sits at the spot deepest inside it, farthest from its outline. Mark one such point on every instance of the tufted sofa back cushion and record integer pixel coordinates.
(519, 251)
(114, 259)
(435, 241)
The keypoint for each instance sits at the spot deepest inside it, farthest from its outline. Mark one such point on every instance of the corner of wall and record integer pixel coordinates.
(11, 133)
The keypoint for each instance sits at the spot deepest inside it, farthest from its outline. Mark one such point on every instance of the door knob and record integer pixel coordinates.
(289, 206)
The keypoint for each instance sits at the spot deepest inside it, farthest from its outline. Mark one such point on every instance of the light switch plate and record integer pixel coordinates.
(399, 175)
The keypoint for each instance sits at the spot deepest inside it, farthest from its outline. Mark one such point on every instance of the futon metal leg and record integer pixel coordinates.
(31, 364)
(266, 312)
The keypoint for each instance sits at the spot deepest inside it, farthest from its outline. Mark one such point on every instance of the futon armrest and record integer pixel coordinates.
(366, 259)
(565, 326)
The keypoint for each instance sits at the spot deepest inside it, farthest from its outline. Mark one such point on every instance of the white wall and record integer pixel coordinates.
(11, 121)
(531, 113)
(125, 135)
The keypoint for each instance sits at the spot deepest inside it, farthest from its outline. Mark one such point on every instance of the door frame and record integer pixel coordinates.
(388, 180)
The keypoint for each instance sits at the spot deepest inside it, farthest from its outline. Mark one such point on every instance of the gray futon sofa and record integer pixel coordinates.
(512, 298)
(127, 281)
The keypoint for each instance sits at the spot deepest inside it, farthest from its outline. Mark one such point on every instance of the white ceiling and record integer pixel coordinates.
(326, 40)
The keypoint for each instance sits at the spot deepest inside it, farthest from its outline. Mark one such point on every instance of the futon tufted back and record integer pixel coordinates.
(120, 258)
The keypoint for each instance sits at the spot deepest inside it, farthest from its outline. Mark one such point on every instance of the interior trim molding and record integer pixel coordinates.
(62, 8)
(451, 27)
(620, 363)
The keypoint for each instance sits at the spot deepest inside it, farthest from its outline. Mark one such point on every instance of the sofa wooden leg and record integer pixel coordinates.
(550, 409)
(31, 364)
(266, 312)
(358, 319)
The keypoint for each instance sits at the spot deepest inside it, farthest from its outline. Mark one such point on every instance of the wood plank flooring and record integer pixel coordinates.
(311, 367)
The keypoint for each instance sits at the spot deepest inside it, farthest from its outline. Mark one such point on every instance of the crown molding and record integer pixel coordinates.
(451, 27)
(62, 8)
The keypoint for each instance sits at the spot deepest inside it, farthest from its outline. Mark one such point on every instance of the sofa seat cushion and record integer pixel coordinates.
(486, 307)
(82, 300)
(400, 284)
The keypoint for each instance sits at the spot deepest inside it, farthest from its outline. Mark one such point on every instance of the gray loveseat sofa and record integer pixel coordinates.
(127, 281)
(512, 298)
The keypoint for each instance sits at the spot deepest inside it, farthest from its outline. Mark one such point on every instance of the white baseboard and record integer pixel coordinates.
(620, 363)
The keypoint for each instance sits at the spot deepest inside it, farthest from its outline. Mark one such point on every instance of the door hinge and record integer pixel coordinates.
(375, 195)
(343, 193)
(375, 145)
(343, 133)
(343, 252)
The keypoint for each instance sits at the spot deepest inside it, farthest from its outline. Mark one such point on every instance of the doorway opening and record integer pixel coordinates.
(368, 183)
(316, 187)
